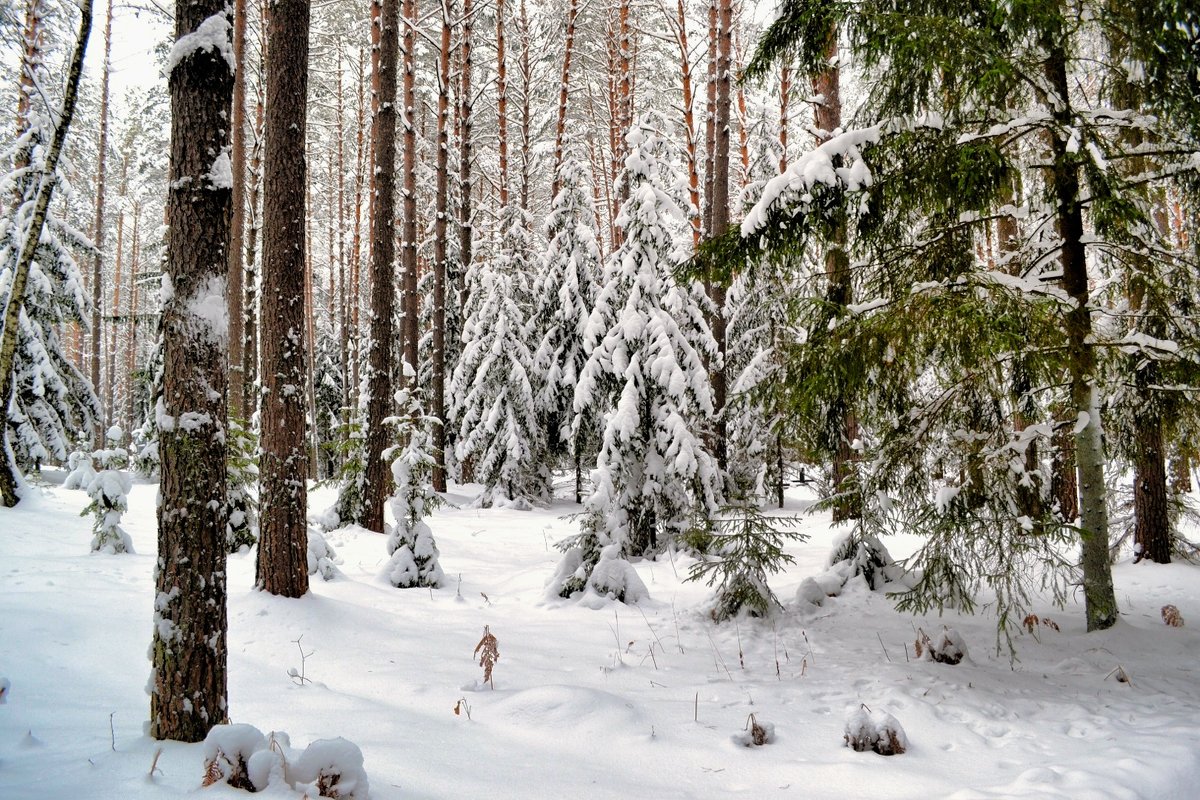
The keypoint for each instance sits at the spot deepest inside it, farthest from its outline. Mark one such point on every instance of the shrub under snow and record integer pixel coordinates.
(241, 756)
(322, 558)
(874, 730)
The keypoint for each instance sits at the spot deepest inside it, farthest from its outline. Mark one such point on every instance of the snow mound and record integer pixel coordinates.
(570, 709)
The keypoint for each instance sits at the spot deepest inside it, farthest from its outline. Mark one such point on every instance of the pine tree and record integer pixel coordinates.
(564, 293)
(494, 409)
(413, 553)
(654, 472)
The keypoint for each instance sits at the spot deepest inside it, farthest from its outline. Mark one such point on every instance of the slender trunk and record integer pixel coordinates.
(115, 314)
(679, 25)
(719, 215)
(785, 90)
(189, 648)
(237, 332)
(131, 352)
(46, 181)
(502, 102)
(282, 566)
(98, 228)
(1099, 599)
(408, 252)
(251, 316)
(526, 114)
(379, 402)
(560, 128)
(355, 292)
(710, 130)
(440, 247)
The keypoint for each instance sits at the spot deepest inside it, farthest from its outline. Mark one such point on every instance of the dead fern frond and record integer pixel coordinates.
(758, 734)
(488, 651)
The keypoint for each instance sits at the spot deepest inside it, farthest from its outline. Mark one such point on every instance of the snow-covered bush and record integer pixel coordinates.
(947, 648)
(227, 750)
(109, 489)
(239, 755)
(322, 558)
(241, 529)
(874, 730)
(414, 554)
(80, 470)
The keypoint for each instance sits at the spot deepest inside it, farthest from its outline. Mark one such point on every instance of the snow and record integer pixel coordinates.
(212, 34)
(622, 701)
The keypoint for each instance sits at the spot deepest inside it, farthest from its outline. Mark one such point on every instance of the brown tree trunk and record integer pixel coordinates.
(560, 128)
(502, 102)
(237, 154)
(719, 215)
(282, 566)
(440, 247)
(189, 640)
(785, 90)
(408, 245)
(679, 29)
(379, 356)
(710, 121)
(98, 228)
(343, 306)
(526, 113)
(355, 292)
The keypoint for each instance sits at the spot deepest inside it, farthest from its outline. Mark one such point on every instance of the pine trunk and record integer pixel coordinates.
(719, 215)
(237, 154)
(679, 25)
(502, 102)
(284, 462)
(560, 127)
(408, 252)
(98, 227)
(440, 247)
(189, 649)
(379, 356)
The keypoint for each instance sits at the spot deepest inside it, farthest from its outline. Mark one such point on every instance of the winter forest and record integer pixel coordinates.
(777, 386)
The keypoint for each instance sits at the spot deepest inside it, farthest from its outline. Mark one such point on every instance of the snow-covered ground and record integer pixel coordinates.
(644, 701)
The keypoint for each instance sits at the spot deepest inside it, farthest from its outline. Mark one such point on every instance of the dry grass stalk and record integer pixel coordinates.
(758, 734)
(488, 651)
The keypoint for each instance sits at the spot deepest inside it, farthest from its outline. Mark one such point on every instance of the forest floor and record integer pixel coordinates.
(622, 701)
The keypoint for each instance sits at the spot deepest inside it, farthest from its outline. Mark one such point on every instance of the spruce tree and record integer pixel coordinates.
(563, 294)
(654, 473)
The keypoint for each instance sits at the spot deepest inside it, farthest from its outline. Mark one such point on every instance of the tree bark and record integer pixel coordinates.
(719, 215)
(284, 463)
(98, 227)
(20, 277)
(502, 102)
(379, 355)
(1099, 599)
(189, 643)
(679, 29)
(408, 245)
(440, 247)
(237, 326)
(560, 127)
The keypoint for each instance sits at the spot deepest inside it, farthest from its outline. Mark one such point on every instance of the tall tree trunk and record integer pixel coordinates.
(1099, 599)
(827, 116)
(98, 227)
(250, 347)
(710, 120)
(46, 181)
(502, 102)
(785, 90)
(679, 29)
(379, 356)
(189, 642)
(560, 127)
(356, 247)
(526, 114)
(719, 216)
(342, 301)
(237, 328)
(283, 540)
(408, 244)
(440, 247)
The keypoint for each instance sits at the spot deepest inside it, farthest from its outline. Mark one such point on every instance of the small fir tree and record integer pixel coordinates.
(413, 552)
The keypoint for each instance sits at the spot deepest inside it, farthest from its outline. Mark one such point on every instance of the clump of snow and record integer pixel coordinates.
(227, 749)
(212, 34)
(948, 647)
(874, 730)
(331, 768)
(322, 558)
(809, 592)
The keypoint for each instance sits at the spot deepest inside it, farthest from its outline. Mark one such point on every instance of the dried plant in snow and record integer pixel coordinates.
(488, 651)
(947, 648)
(1032, 621)
(1171, 616)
